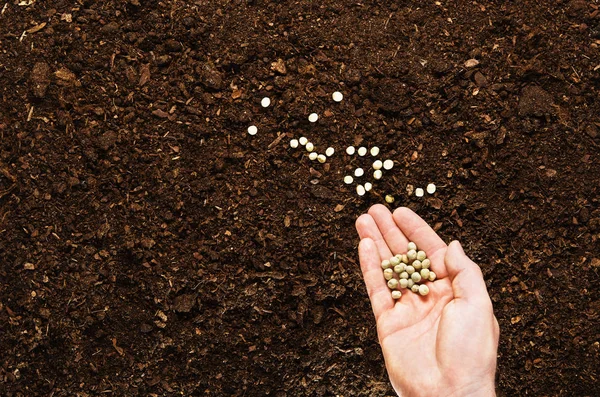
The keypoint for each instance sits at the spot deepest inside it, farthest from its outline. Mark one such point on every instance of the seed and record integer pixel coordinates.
(313, 117)
(329, 152)
(399, 268)
(416, 277)
(410, 270)
(399, 256)
(421, 255)
(385, 264)
(252, 130)
(321, 158)
(388, 164)
(394, 261)
(337, 96)
(431, 188)
(294, 143)
(412, 255)
(348, 179)
(362, 151)
(377, 174)
(425, 274)
(415, 288)
(310, 147)
(377, 164)
(374, 151)
(359, 172)
(417, 264)
(388, 198)
(392, 284)
(403, 283)
(423, 289)
(396, 294)
(303, 140)
(265, 102)
(368, 186)
(419, 192)
(409, 283)
(388, 274)
(360, 190)
(313, 156)
(404, 275)
(412, 246)
(432, 276)
(350, 150)
(426, 263)
(404, 258)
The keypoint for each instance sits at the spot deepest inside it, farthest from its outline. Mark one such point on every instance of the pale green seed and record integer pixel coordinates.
(412, 246)
(416, 277)
(392, 284)
(404, 275)
(396, 294)
(399, 256)
(410, 270)
(415, 288)
(409, 283)
(403, 283)
(385, 264)
(394, 261)
(399, 268)
(423, 289)
(404, 259)
(412, 255)
(417, 264)
(388, 274)
(426, 263)
(432, 276)
(425, 274)
(421, 255)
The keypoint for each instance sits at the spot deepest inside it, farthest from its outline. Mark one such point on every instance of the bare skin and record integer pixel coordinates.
(442, 344)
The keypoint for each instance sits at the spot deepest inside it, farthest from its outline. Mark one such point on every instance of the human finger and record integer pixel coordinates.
(379, 294)
(393, 236)
(367, 228)
(466, 276)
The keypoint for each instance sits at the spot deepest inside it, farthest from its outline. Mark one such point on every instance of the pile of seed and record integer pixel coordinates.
(411, 269)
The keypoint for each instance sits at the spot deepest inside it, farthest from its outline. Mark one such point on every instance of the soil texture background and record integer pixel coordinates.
(150, 246)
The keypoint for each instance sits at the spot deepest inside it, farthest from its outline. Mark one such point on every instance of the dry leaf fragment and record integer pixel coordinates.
(144, 74)
(339, 207)
(36, 28)
(471, 63)
(515, 319)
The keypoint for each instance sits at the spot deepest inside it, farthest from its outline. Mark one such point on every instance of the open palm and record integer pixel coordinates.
(441, 344)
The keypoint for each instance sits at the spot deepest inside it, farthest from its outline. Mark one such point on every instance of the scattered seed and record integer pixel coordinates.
(412, 255)
(415, 288)
(359, 172)
(396, 294)
(321, 158)
(360, 190)
(431, 188)
(377, 164)
(350, 150)
(425, 274)
(388, 198)
(426, 263)
(252, 130)
(337, 96)
(294, 143)
(348, 179)
(392, 284)
(303, 140)
(410, 270)
(362, 151)
(388, 274)
(388, 164)
(403, 283)
(419, 192)
(265, 102)
(329, 152)
(385, 264)
(416, 277)
(417, 264)
(377, 174)
(423, 289)
(368, 186)
(374, 151)
(313, 156)
(432, 276)
(412, 246)
(313, 117)
(310, 147)
(421, 255)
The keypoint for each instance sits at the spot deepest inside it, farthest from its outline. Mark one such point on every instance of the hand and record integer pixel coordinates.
(442, 344)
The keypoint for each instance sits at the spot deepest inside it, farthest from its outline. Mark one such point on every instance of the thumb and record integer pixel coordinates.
(465, 275)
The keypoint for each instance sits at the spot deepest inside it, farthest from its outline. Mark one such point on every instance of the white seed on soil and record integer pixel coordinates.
(396, 294)
(417, 264)
(412, 255)
(350, 150)
(415, 288)
(392, 284)
(388, 164)
(310, 147)
(348, 179)
(404, 275)
(377, 174)
(303, 140)
(374, 151)
(388, 198)
(362, 151)
(360, 190)
(313, 156)
(368, 186)
(394, 260)
(419, 192)
(403, 283)
(294, 143)
(265, 102)
(388, 274)
(412, 246)
(313, 117)
(252, 130)
(421, 255)
(337, 96)
(410, 270)
(416, 277)
(426, 263)
(432, 276)
(321, 158)
(431, 188)
(410, 283)
(425, 274)
(399, 268)
(359, 172)
(377, 164)
(329, 152)
(423, 289)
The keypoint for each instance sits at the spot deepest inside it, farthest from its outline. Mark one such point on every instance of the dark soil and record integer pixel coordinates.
(149, 246)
